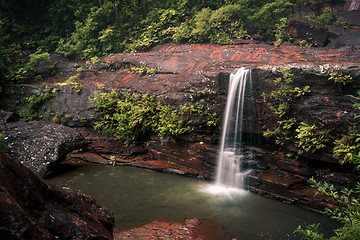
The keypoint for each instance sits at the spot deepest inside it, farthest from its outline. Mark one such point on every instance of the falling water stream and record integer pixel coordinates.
(231, 154)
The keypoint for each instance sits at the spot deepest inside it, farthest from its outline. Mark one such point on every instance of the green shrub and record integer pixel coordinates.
(219, 26)
(199, 109)
(10, 71)
(282, 132)
(132, 117)
(266, 18)
(348, 212)
(281, 98)
(340, 80)
(35, 59)
(183, 33)
(279, 101)
(158, 26)
(347, 149)
(281, 33)
(94, 35)
(311, 138)
(328, 16)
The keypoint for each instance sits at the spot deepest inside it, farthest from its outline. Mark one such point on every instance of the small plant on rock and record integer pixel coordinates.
(200, 107)
(112, 160)
(347, 149)
(143, 71)
(282, 133)
(279, 101)
(284, 94)
(33, 103)
(340, 80)
(310, 138)
(281, 32)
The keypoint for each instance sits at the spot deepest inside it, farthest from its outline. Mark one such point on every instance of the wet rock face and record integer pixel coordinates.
(40, 145)
(31, 208)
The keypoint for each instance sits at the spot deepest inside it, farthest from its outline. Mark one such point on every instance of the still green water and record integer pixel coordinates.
(139, 196)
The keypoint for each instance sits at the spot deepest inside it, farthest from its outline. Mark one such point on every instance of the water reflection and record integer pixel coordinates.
(138, 196)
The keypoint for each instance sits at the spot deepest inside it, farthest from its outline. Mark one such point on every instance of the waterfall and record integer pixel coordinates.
(231, 153)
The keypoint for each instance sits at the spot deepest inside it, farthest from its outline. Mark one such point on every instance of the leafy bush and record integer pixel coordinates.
(279, 103)
(310, 138)
(347, 149)
(10, 71)
(158, 27)
(328, 16)
(131, 117)
(183, 33)
(281, 33)
(269, 15)
(198, 110)
(348, 212)
(284, 94)
(93, 36)
(31, 68)
(340, 80)
(282, 132)
(219, 26)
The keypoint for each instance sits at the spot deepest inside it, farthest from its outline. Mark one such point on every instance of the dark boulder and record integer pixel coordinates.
(31, 208)
(351, 18)
(348, 39)
(310, 32)
(8, 117)
(40, 145)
